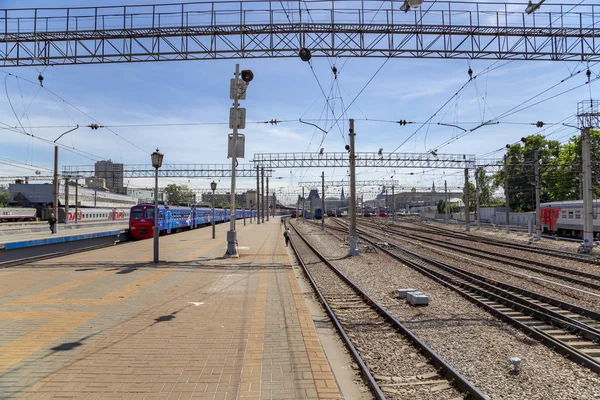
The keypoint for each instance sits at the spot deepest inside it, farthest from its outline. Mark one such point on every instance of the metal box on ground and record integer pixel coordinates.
(418, 299)
(401, 293)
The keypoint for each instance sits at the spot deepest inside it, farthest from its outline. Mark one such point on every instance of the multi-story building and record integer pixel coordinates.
(112, 173)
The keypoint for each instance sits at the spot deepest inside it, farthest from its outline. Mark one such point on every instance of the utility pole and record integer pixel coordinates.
(267, 192)
(352, 237)
(393, 204)
(588, 113)
(56, 187)
(76, 199)
(262, 193)
(322, 200)
(447, 205)
(506, 194)
(467, 213)
(257, 197)
(303, 205)
(538, 222)
(237, 120)
(477, 196)
(67, 200)
(274, 204)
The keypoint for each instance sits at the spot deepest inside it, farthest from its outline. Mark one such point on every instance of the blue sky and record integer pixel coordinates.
(283, 89)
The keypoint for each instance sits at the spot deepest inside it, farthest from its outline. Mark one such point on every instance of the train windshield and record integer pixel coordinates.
(149, 213)
(137, 213)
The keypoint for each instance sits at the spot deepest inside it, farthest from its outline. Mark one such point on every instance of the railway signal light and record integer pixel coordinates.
(247, 75)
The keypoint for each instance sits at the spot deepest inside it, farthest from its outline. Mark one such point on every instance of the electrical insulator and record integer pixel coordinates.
(588, 73)
(402, 122)
(470, 72)
(41, 79)
(539, 124)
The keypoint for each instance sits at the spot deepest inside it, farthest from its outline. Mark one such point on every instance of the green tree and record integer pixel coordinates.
(441, 207)
(4, 196)
(487, 187)
(472, 203)
(563, 176)
(521, 171)
(179, 195)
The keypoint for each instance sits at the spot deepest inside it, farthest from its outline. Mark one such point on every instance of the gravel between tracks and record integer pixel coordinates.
(547, 289)
(470, 339)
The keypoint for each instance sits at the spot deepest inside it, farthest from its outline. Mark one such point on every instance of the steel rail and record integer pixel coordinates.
(459, 285)
(584, 312)
(515, 261)
(367, 376)
(500, 243)
(453, 376)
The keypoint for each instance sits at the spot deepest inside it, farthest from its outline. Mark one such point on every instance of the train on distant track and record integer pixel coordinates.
(173, 219)
(17, 214)
(565, 218)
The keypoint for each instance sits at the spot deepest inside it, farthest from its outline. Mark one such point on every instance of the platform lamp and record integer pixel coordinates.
(157, 158)
(213, 187)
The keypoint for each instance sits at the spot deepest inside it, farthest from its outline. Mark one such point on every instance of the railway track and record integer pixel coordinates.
(405, 365)
(500, 243)
(572, 331)
(582, 278)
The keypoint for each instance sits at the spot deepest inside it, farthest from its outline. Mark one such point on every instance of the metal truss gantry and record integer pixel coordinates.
(317, 184)
(168, 171)
(386, 160)
(269, 28)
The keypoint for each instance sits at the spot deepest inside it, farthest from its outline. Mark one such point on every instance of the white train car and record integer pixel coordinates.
(565, 218)
(96, 214)
(17, 214)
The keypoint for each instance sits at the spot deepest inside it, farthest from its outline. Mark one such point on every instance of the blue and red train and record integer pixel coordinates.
(176, 219)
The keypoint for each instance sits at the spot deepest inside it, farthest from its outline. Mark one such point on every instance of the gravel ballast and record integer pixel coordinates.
(470, 339)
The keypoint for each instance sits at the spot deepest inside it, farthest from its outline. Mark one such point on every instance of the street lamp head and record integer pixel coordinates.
(213, 186)
(157, 158)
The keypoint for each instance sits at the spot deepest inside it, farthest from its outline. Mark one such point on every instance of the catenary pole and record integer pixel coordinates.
(352, 237)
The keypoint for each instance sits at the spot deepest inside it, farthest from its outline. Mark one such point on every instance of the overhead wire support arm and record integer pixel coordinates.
(61, 36)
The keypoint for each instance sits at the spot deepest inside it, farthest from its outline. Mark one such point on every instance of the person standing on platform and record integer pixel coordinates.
(52, 222)
(286, 236)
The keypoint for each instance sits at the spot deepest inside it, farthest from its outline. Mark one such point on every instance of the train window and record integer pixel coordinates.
(570, 214)
(150, 213)
(563, 214)
(137, 213)
(577, 215)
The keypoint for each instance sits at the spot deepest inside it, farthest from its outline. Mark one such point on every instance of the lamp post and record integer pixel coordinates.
(213, 187)
(157, 158)
(55, 182)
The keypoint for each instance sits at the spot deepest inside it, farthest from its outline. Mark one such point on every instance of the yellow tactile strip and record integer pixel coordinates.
(326, 385)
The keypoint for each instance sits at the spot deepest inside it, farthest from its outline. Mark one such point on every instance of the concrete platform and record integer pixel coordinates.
(111, 324)
(27, 238)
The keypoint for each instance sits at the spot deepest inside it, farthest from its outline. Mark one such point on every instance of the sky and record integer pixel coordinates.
(196, 95)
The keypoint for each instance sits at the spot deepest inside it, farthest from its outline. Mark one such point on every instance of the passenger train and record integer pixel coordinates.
(17, 214)
(175, 219)
(95, 214)
(565, 218)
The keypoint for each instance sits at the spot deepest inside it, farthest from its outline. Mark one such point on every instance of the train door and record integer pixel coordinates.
(168, 220)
